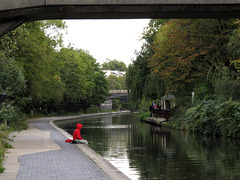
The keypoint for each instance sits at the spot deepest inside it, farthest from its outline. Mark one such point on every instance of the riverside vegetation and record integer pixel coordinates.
(46, 78)
(11, 119)
(181, 56)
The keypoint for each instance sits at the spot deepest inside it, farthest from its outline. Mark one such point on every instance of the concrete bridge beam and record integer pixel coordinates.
(15, 12)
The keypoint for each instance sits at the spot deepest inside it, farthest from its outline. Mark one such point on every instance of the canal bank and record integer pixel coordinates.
(158, 121)
(41, 153)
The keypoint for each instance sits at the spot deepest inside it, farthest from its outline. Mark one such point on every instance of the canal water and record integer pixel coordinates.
(144, 151)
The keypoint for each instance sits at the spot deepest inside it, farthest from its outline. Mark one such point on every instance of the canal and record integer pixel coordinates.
(144, 151)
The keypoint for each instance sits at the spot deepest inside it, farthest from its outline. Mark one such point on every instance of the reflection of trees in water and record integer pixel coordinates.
(117, 143)
(106, 120)
(161, 153)
(107, 137)
(169, 154)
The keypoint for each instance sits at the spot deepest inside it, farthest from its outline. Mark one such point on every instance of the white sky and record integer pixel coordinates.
(107, 39)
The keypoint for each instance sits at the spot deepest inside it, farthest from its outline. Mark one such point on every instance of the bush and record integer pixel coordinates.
(3, 144)
(229, 119)
(215, 118)
(12, 116)
(228, 88)
(202, 118)
(144, 108)
(93, 109)
(116, 104)
(12, 79)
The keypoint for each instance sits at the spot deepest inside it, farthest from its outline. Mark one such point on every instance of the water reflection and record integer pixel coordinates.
(142, 151)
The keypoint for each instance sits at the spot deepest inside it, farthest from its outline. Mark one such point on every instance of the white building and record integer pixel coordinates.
(114, 73)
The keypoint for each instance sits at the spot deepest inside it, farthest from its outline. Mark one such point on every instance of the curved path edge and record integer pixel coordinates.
(34, 140)
(106, 166)
(26, 142)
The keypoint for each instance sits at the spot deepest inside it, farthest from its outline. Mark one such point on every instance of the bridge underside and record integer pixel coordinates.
(15, 12)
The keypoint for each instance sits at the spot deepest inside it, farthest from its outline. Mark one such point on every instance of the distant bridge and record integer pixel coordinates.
(122, 95)
(118, 91)
(15, 12)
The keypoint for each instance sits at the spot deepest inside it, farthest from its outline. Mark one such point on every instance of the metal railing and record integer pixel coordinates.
(118, 91)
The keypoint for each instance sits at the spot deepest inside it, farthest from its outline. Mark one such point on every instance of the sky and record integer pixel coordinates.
(107, 39)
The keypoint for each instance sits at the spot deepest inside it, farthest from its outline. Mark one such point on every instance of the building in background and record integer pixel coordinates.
(114, 73)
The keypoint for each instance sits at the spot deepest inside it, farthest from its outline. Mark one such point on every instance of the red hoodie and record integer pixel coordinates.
(77, 133)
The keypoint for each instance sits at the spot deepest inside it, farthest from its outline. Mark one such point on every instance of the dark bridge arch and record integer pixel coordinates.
(15, 12)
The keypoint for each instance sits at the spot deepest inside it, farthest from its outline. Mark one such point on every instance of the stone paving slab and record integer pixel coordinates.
(26, 142)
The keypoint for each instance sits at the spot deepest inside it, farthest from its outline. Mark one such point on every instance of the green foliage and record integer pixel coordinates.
(234, 42)
(82, 78)
(100, 89)
(12, 79)
(182, 56)
(114, 65)
(12, 116)
(125, 105)
(202, 118)
(39, 73)
(3, 144)
(116, 82)
(151, 30)
(116, 104)
(30, 61)
(228, 117)
(202, 90)
(138, 78)
(76, 83)
(34, 52)
(228, 88)
(144, 108)
(227, 85)
(93, 109)
(215, 118)
(154, 87)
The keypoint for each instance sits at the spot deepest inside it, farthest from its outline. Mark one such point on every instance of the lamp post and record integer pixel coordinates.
(193, 93)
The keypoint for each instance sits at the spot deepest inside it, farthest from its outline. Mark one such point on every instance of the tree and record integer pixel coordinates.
(116, 82)
(12, 79)
(190, 50)
(114, 65)
(83, 80)
(138, 75)
(34, 51)
(54, 75)
(100, 89)
(73, 76)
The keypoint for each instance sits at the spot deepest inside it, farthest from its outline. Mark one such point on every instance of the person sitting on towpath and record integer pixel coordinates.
(77, 133)
(77, 139)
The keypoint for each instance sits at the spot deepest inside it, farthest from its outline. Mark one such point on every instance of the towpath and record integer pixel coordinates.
(40, 153)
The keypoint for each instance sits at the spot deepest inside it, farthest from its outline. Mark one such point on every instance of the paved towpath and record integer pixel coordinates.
(43, 155)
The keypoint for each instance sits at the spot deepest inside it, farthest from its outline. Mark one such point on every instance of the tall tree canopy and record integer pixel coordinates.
(187, 51)
(114, 65)
(139, 80)
(185, 55)
(82, 78)
(49, 73)
(12, 79)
